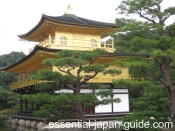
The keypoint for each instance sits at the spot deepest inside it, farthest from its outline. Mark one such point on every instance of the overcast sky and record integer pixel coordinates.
(19, 16)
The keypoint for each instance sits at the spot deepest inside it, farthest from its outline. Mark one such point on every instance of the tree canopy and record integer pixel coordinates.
(7, 97)
(151, 36)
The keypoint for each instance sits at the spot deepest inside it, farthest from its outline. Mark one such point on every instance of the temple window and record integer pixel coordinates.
(93, 43)
(63, 40)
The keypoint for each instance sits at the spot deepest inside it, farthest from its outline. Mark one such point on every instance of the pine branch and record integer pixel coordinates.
(66, 86)
(73, 67)
(154, 76)
(67, 72)
(79, 70)
(91, 62)
(89, 77)
(165, 18)
(154, 33)
(70, 87)
(141, 15)
(152, 10)
(160, 68)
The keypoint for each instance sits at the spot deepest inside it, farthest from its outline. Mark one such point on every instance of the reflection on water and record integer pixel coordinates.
(3, 127)
(21, 128)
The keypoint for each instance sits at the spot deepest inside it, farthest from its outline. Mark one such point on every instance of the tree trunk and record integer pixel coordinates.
(170, 91)
(171, 103)
(79, 108)
(80, 112)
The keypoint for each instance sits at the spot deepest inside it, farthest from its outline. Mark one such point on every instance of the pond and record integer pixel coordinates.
(3, 126)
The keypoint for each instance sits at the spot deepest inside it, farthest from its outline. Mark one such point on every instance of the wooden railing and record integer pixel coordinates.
(131, 78)
(24, 83)
(29, 82)
(76, 44)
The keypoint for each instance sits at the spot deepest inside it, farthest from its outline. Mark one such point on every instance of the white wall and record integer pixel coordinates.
(123, 106)
(122, 94)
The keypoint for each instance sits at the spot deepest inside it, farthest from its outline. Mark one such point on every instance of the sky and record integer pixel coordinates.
(19, 16)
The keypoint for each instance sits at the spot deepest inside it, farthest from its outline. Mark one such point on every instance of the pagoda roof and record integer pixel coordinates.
(72, 20)
(33, 57)
(39, 52)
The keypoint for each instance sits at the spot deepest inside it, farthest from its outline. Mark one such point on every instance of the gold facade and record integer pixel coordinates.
(60, 36)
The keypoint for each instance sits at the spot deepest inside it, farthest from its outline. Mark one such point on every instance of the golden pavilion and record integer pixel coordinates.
(70, 32)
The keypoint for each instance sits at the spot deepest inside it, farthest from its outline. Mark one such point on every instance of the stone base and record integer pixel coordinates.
(22, 123)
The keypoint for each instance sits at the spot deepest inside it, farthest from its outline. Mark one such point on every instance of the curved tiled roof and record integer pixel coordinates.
(70, 19)
(73, 19)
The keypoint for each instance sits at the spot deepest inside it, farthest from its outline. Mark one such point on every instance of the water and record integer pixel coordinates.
(3, 127)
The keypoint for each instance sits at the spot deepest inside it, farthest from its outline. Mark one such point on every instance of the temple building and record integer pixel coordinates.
(70, 32)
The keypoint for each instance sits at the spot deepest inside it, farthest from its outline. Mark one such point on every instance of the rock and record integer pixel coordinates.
(21, 128)
(14, 126)
(9, 121)
(15, 121)
(22, 122)
(41, 126)
(28, 123)
(34, 124)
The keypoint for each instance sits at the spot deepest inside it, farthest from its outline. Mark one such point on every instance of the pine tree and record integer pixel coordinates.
(152, 37)
(68, 63)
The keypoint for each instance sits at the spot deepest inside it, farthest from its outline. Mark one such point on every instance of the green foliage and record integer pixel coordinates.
(46, 75)
(150, 106)
(156, 40)
(148, 102)
(42, 113)
(75, 69)
(3, 98)
(94, 67)
(147, 9)
(8, 99)
(9, 59)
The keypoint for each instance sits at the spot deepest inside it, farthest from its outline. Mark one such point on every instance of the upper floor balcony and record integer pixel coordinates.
(76, 44)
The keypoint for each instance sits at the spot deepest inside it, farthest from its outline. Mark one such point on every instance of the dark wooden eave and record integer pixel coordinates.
(37, 48)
